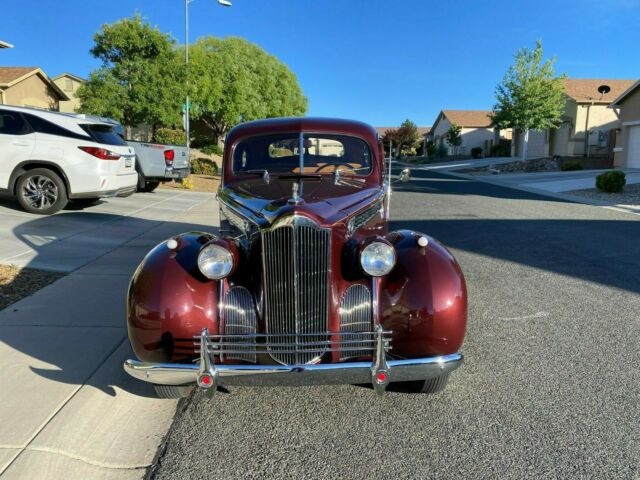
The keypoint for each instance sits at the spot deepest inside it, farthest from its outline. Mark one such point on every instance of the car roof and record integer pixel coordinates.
(61, 118)
(304, 124)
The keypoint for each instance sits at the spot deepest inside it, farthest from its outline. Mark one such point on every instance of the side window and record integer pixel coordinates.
(43, 126)
(11, 123)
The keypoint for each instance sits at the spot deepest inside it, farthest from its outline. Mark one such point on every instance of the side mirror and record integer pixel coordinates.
(405, 175)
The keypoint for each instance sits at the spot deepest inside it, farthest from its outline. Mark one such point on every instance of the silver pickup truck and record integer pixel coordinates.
(155, 163)
(159, 163)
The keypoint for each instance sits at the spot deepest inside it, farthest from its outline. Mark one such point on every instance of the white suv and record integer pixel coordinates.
(48, 158)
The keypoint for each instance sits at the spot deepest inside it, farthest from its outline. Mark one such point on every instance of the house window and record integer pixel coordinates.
(68, 85)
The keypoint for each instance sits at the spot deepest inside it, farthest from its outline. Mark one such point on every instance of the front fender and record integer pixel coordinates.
(169, 301)
(424, 298)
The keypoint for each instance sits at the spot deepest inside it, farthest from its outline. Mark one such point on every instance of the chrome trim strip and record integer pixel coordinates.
(292, 375)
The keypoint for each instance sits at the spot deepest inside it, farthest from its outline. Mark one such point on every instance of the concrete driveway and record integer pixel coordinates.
(68, 410)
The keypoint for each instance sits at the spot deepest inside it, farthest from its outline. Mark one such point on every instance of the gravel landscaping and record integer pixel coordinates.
(17, 283)
(200, 183)
(630, 196)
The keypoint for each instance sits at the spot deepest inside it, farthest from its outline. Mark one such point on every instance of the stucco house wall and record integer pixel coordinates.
(32, 92)
(629, 119)
(69, 84)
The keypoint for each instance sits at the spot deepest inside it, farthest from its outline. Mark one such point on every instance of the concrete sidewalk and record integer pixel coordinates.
(67, 408)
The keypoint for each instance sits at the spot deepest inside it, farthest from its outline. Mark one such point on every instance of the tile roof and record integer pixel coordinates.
(422, 131)
(586, 89)
(10, 74)
(469, 118)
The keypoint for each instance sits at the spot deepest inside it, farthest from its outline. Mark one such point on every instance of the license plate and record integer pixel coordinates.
(128, 162)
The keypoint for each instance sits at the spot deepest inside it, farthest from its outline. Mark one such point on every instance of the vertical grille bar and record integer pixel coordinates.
(296, 273)
(239, 319)
(355, 316)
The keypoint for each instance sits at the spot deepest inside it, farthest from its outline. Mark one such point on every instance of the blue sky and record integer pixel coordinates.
(377, 61)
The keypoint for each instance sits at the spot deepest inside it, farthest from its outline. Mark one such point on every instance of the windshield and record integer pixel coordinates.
(322, 154)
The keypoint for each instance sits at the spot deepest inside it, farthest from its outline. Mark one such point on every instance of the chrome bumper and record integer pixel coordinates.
(208, 375)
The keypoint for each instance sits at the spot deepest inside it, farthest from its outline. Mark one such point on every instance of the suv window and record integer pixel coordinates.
(322, 154)
(104, 134)
(41, 125)
(12, 123)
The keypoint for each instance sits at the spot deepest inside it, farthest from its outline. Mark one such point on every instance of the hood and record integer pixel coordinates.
(322, 199)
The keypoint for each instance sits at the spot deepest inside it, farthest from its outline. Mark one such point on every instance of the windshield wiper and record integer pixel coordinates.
(259, 171)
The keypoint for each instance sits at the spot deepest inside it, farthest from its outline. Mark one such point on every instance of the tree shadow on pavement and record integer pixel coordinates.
(77, 325)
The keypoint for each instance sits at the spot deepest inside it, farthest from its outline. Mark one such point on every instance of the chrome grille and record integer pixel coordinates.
(296, 278)
(239, 319)
(355, 316)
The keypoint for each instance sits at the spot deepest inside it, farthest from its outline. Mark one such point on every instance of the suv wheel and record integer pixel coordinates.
(41, 191)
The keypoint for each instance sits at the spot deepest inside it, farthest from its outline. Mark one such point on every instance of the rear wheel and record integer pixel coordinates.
(146, 185)
(173, 391)
(431, 385)
(149, 186)
(41, 191)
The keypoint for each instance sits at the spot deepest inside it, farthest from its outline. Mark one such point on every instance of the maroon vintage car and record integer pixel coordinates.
(303, 284)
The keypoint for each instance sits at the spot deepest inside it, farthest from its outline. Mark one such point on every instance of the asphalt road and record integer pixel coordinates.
(551, 383)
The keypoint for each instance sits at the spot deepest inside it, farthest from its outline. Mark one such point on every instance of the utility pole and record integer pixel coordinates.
(187, 107)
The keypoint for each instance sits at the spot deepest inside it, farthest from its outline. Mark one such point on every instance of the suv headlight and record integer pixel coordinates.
(378, 259)
(215, 262)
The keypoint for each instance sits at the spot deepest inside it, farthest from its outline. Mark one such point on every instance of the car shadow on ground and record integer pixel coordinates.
(55, 314)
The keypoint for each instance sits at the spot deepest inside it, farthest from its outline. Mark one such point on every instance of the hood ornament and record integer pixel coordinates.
(296, 189)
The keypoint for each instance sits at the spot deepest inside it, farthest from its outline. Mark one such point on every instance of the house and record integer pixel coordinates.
(422, 131)
(29, 87)
(477, 130)
(588, 125)
(69, 84)
(627, 149)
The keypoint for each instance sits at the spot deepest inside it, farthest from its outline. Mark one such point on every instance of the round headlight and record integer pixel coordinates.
(377, 259)
(215, 262)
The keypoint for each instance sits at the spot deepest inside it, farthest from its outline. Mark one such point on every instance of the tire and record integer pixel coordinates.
(41, 191)
(85, 202)
(146, 185)
(431, 385)
(173, 391)
(149, 187)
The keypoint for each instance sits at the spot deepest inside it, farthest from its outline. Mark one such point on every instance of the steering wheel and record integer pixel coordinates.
(335, 167)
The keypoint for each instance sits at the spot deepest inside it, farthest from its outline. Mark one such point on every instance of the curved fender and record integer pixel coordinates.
(169, 301)
(424, 298)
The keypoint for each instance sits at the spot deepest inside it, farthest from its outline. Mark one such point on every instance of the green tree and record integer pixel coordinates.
(140, 77)
(407, 135)
(530, 96)
(454, 138)
(232, 80)
(390, 140)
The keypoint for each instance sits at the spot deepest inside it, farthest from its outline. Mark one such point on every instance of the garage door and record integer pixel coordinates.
(633, 155)
(560, 140)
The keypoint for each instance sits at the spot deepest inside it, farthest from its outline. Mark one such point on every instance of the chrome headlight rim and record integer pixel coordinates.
(378, 258)
(215, 261)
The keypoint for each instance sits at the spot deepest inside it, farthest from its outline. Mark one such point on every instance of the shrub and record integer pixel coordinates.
(500, 150)
(612, 181)
(204, 166)
(211, 150)
(476, 152)
(169, 136)
(570, 166)
(431, 149)
(441, 150)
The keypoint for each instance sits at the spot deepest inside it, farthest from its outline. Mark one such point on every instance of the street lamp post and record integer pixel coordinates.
(187, 107)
